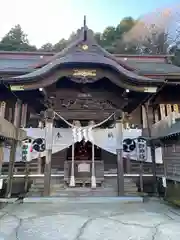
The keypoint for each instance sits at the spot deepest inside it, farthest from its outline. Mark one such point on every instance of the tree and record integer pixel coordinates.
(98, 37)
(60, 45)
(125, 25)
(47, 47)
(16, 40)
(156, 32)
(120, 46)
(108, 36)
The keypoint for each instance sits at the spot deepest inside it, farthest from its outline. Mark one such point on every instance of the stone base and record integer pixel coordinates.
(125, 199)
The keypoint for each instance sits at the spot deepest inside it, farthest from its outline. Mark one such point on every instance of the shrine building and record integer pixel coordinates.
(98, 98)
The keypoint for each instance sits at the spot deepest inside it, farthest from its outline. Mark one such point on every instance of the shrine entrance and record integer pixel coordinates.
(86, 83)
(84, 154)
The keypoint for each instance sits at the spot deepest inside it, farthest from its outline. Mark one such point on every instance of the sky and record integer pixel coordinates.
(50, 20)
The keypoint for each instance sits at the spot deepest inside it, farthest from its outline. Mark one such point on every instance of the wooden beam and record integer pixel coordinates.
(85, 114)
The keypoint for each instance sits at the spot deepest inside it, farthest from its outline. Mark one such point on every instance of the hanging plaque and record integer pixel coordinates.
(84, 73)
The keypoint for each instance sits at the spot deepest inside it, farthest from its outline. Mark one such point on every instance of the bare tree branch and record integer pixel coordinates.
(155, 32)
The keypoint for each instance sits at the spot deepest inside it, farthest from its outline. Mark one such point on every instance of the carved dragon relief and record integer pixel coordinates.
(64, 100)
(84, 104)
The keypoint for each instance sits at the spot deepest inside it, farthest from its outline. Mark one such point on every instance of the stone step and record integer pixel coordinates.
(85, 193)
(88, 194)
(58, 189)
(36, 190)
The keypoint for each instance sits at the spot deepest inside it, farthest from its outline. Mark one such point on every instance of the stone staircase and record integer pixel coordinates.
(82, 192)
(37, 188)
(109, 189)
(130, 187)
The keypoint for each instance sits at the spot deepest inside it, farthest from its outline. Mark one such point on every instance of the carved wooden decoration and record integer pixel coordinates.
(84, 75)
(82, 104)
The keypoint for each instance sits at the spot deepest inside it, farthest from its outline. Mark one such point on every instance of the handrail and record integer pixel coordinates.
(8, 130)
(159, 128)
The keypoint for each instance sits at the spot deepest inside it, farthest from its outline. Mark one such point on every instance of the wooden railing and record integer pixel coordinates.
(160, 128)
(134, 168)
(147, 168)
(19, 168)
(8, 130)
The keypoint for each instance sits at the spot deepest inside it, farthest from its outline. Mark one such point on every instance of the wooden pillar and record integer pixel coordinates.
(93, 174)
(119, 151)
(2, 109)
(40, 125)
(2, 114)
(156, 117)
(72, 177)
(1, 156)
(153, 153)
(168, 109)
(24, 115)
(49, 116)
(10, 114)
(93, 167)
(17, 120)
(128, 164)
(162, 111)
(17, 114)
(144, 118)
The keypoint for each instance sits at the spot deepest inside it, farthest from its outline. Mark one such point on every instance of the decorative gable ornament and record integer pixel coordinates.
(85, 47)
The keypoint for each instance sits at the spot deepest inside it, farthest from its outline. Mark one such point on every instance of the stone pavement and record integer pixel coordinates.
(89, 221)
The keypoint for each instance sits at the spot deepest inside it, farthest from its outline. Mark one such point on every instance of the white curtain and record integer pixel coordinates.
(62, 138)
(106, 139)
(103, 138)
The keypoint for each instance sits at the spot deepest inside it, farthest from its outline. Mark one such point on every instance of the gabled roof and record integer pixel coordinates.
(151, 65)
(25, 62)
(83, 51)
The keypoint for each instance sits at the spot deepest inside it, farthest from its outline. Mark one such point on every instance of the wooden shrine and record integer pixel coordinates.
(86, 83)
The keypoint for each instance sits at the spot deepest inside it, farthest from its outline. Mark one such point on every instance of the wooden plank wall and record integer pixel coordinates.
(171, 158)
(171, 153)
